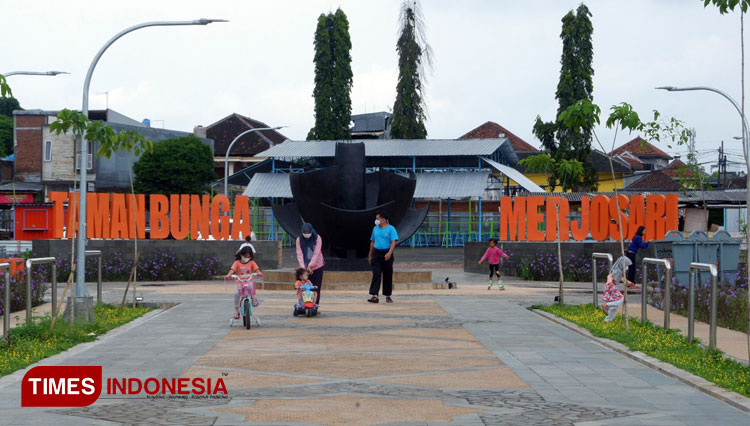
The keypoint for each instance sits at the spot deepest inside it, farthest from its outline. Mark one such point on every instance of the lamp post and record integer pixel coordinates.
(745, 147)
(51, 73)
(81, 291)
(229, 149)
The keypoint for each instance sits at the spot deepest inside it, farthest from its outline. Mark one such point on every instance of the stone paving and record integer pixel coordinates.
(473, 357)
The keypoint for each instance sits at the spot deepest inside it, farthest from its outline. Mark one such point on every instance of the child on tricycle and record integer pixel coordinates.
(306, 294)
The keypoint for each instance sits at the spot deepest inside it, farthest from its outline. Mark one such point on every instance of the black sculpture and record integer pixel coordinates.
(341, 202)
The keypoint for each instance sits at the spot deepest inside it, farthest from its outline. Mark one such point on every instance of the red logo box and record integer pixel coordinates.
(61, 386)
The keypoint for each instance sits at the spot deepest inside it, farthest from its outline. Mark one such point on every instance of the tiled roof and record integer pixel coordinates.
(225, 130)
(641, 148)
(635, 164)
(673, 169)
(655, 181)
(490, 130)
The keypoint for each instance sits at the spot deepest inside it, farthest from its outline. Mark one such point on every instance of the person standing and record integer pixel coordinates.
(310, 256)
(635, 244)
(382, 243)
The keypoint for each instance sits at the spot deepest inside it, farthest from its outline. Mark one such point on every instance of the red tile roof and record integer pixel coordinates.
(635, 148)
(492, 130)
(635, 164)
(673, 169)
(655, 181)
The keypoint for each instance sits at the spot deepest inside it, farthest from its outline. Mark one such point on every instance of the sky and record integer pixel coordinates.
(493, 61)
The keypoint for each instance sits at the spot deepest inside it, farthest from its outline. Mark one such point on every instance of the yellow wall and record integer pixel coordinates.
(605, 181)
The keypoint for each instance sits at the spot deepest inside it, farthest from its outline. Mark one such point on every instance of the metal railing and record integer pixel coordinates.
(595, 256)
(6, 311)
(29, 264)
(667, 282)
(695, 266)
(98, 255)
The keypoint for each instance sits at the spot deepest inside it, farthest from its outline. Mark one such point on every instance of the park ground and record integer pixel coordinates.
(467, 356)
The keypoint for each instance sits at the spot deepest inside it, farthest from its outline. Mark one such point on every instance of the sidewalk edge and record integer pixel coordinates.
(732, 398)
(16, 376)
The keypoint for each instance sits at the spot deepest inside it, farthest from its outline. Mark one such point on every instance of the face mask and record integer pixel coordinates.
(307, 235)
(377, 222)
(245, 259)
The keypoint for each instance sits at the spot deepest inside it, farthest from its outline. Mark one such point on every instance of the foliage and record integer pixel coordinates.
(692, 176)
(5, 91)
(8, 105)
(6, 135)
(175, 166)
(32, 343)
(726, 5)
(666, 345)
(157, 266)
(97, 131)
(568, 171)
(413, 52)
(18, 289)
(575, 84)
(333, 78)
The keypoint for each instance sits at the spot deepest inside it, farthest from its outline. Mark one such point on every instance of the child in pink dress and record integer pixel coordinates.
(612, 298)
(493, 255)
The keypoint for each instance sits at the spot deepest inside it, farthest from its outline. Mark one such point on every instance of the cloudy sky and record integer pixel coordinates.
(494, 60)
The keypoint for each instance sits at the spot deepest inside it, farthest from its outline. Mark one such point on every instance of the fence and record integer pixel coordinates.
(461, 228)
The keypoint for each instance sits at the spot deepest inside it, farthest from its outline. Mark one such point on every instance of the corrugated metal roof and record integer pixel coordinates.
(22, 186)
(451, 185)
(390, 148)
(515, 175)
(429, 185)
(269, 185)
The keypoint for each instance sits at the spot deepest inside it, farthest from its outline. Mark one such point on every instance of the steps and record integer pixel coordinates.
(283, 279)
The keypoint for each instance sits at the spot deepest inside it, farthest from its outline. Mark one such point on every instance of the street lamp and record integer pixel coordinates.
(226, 157)
(745, 147)
(81, 291)
(52, 73)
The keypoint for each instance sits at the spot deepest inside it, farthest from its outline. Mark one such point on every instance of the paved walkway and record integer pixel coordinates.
(466, 357)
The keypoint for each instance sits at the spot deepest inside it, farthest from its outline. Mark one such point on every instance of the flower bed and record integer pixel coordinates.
(157, 266)
(666, 345)
(18, 289)
(31, 343)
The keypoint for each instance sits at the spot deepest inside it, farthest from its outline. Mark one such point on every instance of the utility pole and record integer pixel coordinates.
(719, 180)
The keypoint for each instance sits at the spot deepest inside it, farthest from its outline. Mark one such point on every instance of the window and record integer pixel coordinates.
(47, 150)
(89, 158)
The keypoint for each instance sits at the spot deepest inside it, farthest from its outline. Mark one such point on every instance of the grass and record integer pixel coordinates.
(32, 343)
(666, 345)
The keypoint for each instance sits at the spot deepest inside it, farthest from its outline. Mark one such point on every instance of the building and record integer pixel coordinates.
(372, 125)
(524, 150)
(244, 151)
(649, 155)
(47, 159)
(462, 180)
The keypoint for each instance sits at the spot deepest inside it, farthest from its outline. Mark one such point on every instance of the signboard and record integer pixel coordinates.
(123, 216)
(16, 199)
(521, 218)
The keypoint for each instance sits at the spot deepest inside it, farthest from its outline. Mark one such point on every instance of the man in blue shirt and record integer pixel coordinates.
(382, 243)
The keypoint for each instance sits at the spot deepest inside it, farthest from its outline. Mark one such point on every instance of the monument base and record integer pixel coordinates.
(283, 279)
(84, 309)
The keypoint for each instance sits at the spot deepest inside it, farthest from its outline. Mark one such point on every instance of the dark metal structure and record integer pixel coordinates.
(341, 202)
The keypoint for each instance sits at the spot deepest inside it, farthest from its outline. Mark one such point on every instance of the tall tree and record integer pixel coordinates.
(333, 78)
(576, 83)
(413, 53)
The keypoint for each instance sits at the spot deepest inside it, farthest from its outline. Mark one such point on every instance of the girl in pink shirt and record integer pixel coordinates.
(493, 255)
(244, 265)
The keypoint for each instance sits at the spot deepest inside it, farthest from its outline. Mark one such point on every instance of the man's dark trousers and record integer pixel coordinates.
(384, 268)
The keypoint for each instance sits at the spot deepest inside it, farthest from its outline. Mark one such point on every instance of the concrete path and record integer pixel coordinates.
(466, 357)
